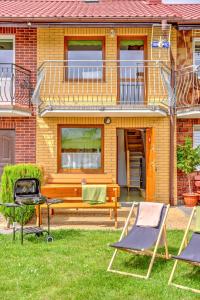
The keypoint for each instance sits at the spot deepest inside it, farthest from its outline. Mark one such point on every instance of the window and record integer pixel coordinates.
(132, 55)
(131, 51)
(196, 52)
(196, 138)
(84, 58)
(6, 55)
(80, 148)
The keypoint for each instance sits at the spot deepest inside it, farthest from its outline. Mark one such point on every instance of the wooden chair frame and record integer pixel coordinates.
(142, 252)
(184, 243)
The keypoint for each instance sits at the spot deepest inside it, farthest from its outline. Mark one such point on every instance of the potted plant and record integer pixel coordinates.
(188, 159)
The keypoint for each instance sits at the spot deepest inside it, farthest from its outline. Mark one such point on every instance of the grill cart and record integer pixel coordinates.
(26, 193)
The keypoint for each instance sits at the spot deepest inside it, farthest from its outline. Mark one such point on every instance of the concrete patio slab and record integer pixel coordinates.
(100, 219)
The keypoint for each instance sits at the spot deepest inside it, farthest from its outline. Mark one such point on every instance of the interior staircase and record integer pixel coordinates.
(134, 141)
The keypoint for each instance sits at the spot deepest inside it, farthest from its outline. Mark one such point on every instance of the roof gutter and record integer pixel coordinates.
(97, 22)
(90, 21)
(188, 26)
(77, 24)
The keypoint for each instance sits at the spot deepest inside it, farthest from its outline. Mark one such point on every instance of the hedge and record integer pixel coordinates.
(10, 174)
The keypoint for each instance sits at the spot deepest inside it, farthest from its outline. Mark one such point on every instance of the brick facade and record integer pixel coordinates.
(25, 48)
(25, 137)
(25, 127)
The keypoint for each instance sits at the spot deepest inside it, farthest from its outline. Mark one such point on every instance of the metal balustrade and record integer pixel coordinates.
(90, 84)
(187, 87)
(15, 85)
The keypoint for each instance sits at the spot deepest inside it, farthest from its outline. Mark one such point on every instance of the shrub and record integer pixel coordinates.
(10, 174)
(188, 159)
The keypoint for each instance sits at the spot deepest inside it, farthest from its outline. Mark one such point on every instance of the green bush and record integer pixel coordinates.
(10, 174)
(188, 159)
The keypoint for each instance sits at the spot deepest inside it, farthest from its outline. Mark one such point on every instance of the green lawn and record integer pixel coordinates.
(74, 267)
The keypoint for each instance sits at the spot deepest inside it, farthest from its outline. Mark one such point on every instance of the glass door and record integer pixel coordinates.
(6, 69)
(131, 70)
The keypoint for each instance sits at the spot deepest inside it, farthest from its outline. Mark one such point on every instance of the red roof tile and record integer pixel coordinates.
(187, 11)
(75, 9)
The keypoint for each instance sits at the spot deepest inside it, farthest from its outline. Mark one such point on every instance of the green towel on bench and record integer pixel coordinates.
(197, 229)
(94, 193)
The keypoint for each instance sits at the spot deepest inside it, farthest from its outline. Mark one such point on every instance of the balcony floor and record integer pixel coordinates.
(14, 111)
(188, 112)
(103, 111)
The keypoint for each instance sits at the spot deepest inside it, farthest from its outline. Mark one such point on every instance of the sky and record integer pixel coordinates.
(181, 1)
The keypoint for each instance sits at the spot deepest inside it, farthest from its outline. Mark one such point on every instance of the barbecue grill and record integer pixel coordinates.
(26, 193)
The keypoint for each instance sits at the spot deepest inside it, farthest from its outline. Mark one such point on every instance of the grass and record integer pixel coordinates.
(73, 267)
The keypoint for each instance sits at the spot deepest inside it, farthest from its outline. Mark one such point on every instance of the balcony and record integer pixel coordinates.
(187, 92)
(14, 91)
(96, 88)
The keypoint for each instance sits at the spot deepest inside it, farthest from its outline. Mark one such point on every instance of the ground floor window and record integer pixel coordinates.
(196, 135)
(80, 148)
(196, 138)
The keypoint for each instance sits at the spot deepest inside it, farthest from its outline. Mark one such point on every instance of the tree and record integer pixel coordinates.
(188, 159)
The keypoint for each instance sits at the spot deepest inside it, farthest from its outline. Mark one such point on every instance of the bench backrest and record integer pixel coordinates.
(73, 194)
(78, 178)
(56, 185)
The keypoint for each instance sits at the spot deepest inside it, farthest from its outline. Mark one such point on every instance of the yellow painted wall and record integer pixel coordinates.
(51, 40)
(47, 145)
(51, 47)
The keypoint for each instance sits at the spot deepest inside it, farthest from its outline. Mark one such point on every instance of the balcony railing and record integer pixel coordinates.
(187, 87)
(100, 84)
(14, 86)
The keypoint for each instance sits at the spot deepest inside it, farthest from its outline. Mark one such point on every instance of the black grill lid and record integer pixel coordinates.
(27, 187)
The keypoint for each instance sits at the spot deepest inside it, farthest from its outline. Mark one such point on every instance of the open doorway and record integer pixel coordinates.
(131, 166)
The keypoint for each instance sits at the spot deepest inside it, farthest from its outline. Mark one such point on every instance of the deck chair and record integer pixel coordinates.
(139, 240)
(189, 253)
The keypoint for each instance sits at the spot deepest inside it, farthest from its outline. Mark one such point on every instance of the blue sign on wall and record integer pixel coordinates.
(160, 44)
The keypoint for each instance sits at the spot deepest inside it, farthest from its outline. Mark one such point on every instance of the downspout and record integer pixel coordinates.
(172, 138)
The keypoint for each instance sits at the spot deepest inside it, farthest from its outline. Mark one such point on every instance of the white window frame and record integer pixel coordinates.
(197, 127)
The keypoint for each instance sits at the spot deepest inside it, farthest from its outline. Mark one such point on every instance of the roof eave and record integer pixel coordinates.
(96, 20)
(88, 19)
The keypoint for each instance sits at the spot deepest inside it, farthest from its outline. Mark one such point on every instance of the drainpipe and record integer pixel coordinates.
(172, 139)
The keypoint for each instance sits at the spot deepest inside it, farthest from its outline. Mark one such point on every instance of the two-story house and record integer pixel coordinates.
(104, 98)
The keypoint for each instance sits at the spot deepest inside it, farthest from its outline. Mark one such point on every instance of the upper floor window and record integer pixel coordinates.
(84, 57)
(131, 55)
(196, 52)
(6, 55)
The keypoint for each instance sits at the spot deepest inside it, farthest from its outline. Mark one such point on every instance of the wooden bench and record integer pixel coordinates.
(68, 187)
